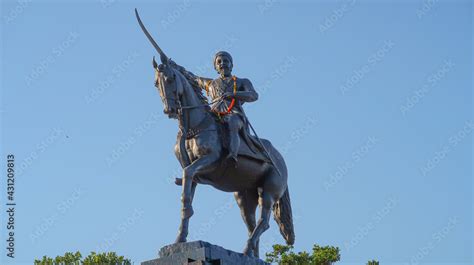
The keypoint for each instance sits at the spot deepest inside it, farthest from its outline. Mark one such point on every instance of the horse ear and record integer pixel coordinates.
(155, 65)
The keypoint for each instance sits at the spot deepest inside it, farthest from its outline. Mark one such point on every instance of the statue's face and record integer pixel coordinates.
(165, 81)
(223, 65)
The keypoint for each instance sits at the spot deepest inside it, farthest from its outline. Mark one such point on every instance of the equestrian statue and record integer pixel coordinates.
(215, 147)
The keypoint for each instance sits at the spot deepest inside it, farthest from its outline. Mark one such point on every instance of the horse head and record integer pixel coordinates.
(170, 88)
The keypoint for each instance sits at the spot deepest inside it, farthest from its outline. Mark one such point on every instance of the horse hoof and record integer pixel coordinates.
(187, 212)
(180, 239)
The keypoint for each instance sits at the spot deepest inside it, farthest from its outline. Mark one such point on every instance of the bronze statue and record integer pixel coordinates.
(228, 93)
(259, 173)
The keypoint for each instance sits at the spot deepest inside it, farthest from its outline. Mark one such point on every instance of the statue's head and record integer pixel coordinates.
(165, 81)
(223, 63)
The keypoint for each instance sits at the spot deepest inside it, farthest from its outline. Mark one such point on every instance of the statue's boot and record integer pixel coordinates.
(234, 142)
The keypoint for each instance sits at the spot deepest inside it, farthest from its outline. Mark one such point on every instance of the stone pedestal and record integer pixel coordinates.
(201, 253)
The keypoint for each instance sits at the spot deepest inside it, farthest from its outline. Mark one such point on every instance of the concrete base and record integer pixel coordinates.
(201, 253)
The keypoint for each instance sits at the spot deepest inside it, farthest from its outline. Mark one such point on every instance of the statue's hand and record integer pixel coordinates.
(172, 63)
(175, 65)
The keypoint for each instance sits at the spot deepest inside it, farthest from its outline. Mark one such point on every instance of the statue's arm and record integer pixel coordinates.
(246, 92)
(195, 80)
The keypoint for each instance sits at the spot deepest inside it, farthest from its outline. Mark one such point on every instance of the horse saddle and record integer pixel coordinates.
(249, 145)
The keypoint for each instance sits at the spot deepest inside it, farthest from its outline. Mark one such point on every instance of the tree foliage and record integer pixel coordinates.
(69, 258)
(284, 255)
(372, 262)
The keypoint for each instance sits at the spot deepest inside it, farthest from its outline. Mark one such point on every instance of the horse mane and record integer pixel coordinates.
(196, 89)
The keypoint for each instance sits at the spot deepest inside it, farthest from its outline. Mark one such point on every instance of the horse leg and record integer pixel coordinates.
(183, 227)
(262, 225)
(248, 202)
(201, 166)
(272, 191)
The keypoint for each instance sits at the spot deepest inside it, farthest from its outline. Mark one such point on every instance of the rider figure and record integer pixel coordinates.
(228, 93)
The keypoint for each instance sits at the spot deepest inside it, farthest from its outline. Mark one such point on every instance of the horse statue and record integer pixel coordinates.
(250, 180)
(255, 179)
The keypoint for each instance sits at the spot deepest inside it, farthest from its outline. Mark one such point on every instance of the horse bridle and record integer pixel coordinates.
(179, 109)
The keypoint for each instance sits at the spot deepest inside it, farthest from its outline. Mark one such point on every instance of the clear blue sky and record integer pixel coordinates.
(370, 102)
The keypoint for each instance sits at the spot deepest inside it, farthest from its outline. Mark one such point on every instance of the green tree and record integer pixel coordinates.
(69, 258)
(372, 262)
(105, 258)
(284, 255)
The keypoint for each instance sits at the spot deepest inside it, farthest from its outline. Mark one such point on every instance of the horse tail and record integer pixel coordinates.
(284, 218)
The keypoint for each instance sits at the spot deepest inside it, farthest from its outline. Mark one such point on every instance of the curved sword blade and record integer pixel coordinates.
(163, 57)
